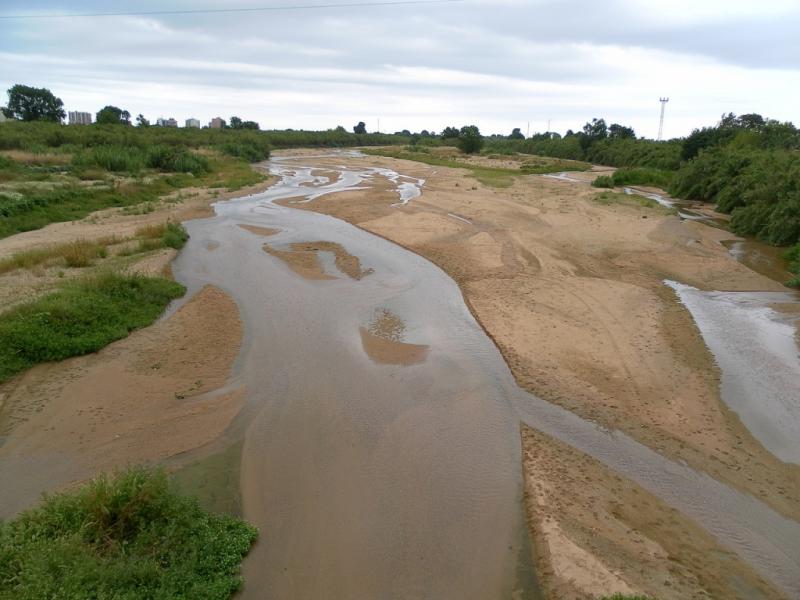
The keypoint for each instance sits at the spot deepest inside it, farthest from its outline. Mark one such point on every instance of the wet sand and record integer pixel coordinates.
(156, 394)
(573, 295)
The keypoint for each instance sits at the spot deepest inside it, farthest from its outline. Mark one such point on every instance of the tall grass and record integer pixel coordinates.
(80, 253)
(81, 318)
(793, 256)
(127, 537)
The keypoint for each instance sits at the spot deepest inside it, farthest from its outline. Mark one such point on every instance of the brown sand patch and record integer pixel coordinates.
(262, 231)
(383, 341)
(155, 265)
(142, 399)
(303, 262)
(211, 246)
(597, 533)
(580, 312)
(303, 259)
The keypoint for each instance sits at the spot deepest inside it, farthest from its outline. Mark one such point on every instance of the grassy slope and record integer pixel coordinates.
(81, 318)
(129, 537)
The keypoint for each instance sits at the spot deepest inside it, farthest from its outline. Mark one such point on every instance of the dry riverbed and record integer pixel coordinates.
(571, 290)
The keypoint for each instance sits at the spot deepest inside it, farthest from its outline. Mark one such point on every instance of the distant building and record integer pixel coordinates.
(167, 122)
(195, 123)
(80, 118)
(217, 123)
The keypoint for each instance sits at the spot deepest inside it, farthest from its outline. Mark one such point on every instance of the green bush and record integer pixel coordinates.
(603, 181)
(81, 318)
(175, 236)
(126, 537)
(643, 176)
(120, 159)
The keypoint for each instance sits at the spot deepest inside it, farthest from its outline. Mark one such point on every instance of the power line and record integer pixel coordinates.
(231, 10)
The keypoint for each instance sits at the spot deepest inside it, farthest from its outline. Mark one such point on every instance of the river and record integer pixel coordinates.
(369, 479)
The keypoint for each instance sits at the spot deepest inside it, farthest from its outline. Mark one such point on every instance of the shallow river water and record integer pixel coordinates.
(372, 480)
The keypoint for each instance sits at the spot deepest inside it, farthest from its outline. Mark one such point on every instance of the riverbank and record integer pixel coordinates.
(572, 293)
(156, 394)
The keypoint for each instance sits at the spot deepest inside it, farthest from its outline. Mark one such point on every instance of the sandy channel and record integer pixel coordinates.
(572, 293)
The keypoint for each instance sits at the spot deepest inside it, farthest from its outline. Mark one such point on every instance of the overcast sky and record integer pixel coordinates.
(497, 64)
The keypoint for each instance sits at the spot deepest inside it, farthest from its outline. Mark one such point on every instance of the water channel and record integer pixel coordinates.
(370, 479)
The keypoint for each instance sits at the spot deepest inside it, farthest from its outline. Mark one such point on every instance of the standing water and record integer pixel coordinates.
(381, 453)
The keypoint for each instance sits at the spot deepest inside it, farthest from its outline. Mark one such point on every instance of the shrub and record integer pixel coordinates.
(130, 536)
(603, 181)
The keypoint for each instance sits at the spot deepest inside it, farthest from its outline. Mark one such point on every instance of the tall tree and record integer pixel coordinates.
(470, 139)
(361, 128)
(235, 123)
(33, 104)
(449, 133)
(111, 115)
(516, 134)
(141, 121)
(620, 132)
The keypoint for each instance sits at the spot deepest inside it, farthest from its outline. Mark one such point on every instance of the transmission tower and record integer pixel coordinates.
(661, 122)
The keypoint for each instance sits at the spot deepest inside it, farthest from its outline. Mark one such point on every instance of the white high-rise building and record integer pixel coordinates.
(193, 123)
(167, 122)
(80, 118)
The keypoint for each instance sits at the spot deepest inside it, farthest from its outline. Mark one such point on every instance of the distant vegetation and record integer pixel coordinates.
(81, 318)
(130, 536)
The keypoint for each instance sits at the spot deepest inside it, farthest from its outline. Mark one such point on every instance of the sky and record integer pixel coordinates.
(498, 64)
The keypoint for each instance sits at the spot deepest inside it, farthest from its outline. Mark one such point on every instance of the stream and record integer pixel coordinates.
(375, 478)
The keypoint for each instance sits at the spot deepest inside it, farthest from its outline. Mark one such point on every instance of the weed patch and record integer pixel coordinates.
(128, 536)
(81, 318)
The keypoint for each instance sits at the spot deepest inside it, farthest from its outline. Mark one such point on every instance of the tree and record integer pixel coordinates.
(33, 104)
(620, 132)
(449, 133)
(597, 129)
(111, 115)
(516, 134)
(361, 128)
(470, 139)
(237, 123)
(141, 121)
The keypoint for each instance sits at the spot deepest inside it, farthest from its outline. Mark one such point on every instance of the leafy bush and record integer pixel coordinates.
(643, 176)
(603, 181)
(81, 318)
(125, 537)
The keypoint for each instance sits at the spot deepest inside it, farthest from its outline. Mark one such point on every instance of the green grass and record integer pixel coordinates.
(643, 176)
(81, 318)
(128, 537)
(634, 200)
(490, 176)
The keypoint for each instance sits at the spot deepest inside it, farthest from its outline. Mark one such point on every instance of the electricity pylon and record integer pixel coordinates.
(661, 122)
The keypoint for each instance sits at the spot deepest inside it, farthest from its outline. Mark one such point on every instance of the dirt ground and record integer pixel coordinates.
(592, 526)
(572, 293)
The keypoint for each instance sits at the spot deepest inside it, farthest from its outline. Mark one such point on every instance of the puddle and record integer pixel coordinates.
(756, 350)
(761, 258)
(378, 481)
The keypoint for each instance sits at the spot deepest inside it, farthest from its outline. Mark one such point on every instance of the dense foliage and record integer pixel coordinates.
(127, 537)
(33, 104)
(81, 318)
(751, 171)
